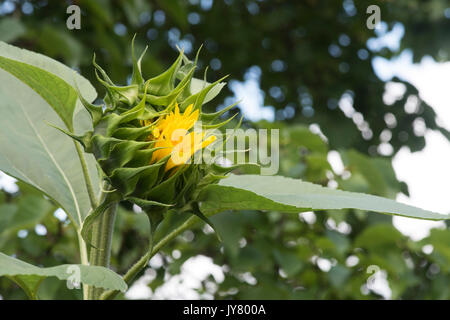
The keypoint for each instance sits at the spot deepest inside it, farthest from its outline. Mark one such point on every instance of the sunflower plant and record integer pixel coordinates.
(147, 143)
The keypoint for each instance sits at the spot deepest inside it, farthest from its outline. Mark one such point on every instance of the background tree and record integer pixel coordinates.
(307, 56)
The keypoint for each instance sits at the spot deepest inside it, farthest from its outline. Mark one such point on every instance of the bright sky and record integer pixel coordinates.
(427, 172)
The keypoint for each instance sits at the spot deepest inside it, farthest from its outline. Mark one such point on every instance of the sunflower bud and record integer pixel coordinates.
(145, 137)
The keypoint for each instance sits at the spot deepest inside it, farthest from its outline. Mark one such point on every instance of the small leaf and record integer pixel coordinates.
(109, 200)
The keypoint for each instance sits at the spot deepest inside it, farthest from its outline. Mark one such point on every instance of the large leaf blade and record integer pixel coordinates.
(241, 192)
(29, 276)
(53, 89)
(31, 150)
(50, 65)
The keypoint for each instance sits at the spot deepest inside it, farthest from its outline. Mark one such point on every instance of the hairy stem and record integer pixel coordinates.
(84, 260)
(143, 261)
(101, 239)
(94, 204)
(87, 178)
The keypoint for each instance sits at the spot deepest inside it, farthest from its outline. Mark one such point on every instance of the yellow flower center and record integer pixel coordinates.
(172, 135)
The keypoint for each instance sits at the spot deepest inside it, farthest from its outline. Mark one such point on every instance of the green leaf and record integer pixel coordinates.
(289, 261)
(8, 211)
(35, 91)
(440, 240)
(11, 29)
(29, 211)
(29, 277)
(54, 89)
(99, 10)
(338, 276)
(176, 10)
(356, 161)
(253, 192)
(60, 42)
(301, 136)
(379, 237)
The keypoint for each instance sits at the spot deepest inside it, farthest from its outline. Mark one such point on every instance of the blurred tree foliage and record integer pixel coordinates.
(309, 57)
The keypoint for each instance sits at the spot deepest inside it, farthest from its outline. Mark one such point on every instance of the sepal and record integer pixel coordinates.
(84, 140)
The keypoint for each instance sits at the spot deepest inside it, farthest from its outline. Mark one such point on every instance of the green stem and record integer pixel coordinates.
(84, 260)
(87, 178)
(95, 236)
(94, 251)
(143, 261)
(102, 231)
(94, 204)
